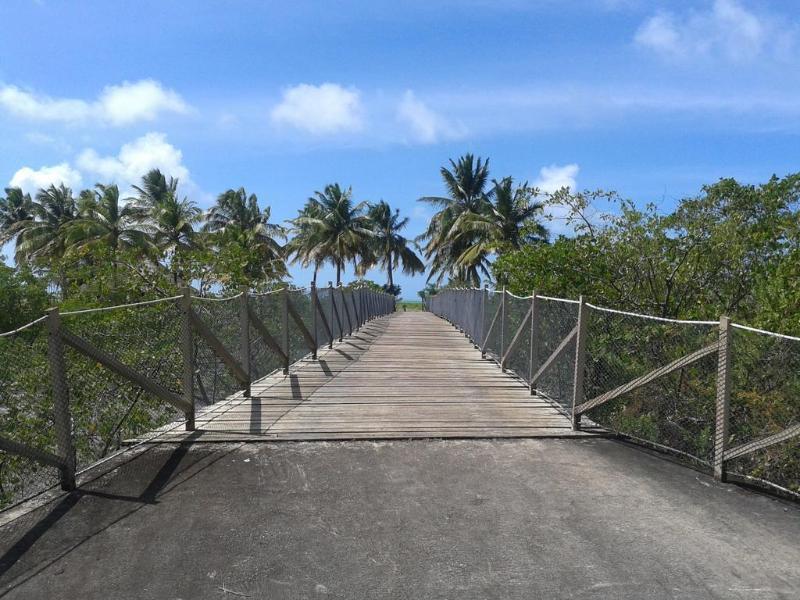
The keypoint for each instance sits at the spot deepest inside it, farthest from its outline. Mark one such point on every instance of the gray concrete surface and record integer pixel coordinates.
(422, 519)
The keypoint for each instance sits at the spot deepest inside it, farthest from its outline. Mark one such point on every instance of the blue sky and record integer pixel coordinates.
(651, 99)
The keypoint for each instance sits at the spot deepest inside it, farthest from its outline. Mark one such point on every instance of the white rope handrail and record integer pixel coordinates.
(23, 327)
(765, 332)
(554, 299)
(107, 308)
(651, 317)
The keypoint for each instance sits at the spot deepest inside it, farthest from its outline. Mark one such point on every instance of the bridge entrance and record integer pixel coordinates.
(408, 375)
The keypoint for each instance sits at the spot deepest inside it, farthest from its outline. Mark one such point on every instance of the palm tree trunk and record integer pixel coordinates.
(389, 272)
(314, 278)
(338, 273)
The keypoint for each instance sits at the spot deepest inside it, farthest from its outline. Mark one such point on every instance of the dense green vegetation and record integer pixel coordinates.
(733, 250)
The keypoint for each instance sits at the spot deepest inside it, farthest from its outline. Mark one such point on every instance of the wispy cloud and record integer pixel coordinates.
(426, 125)
(726, 29)
(117, 105)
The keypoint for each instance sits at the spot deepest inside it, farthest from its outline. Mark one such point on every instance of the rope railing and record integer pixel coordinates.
(723, 394)
(76, 385)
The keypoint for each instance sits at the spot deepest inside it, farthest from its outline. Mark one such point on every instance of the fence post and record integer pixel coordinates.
(187, 350)
(314, 302)
(285, 329)
(534, 346)
(723, 398)
(62, 420)
(502, 327)
(484, 301)
(580, 362)
(244, 338)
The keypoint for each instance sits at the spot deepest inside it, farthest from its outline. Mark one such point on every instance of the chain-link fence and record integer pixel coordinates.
(724, 396)
(76, 386)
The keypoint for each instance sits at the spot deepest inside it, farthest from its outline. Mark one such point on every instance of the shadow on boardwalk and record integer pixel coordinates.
(467, 519)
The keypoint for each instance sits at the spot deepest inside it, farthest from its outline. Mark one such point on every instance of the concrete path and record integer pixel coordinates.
(542, 518)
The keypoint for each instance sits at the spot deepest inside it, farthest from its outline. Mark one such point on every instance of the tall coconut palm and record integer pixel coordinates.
(508, 221)
(155, 188)
(236, 218)
(303, 247)
(466, 186)
(341, 227)
(105, 222)
(172, 224)
(44, 234)
(390, 248)
(42, 239)
(15, 208)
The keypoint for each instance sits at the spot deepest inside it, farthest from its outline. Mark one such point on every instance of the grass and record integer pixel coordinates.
(409, 305)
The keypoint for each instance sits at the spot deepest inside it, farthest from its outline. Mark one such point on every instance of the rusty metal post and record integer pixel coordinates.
(244, 338)
(285, 328)
(62, 419)
(314, 308)
(187, 351)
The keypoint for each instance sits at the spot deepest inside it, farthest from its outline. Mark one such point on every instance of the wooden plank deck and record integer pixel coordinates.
(409, 375)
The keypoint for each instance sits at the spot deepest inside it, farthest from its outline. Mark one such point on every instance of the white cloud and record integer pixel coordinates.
(427, 126)
(320, 109)
(554, 177)
(725, 30)
(151, 151)
(123, 104)
(139, 101)
(30, 180)
(134, 159)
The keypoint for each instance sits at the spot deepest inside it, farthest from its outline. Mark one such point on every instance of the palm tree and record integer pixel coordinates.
(237, 219)
(43, 237)
(155, 188)
(390, 248)
(171, 224)
(507, 223)
(44, 233)
(444, 243)
(303, 246)
(15, 208)
(104, 222)
(341, 228)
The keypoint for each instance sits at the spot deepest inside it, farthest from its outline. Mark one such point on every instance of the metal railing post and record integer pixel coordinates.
(187, 351)
(285, 329)
(62, 419)
(580, 362)
(502, 327)
(244, 338)
(314, 308)
(723, 398)
(484, 301)
(534, 345)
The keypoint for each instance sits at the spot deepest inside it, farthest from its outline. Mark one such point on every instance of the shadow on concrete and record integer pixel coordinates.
(113, 498)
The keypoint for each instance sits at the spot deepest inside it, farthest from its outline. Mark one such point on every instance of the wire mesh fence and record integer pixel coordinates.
(555, 320)
(765, 401)
(126, 371)
(26, 412)
(677, 409)
(106, 408)
(655, 380)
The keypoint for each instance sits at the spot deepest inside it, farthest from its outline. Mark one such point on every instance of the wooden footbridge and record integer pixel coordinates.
(406, 375)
